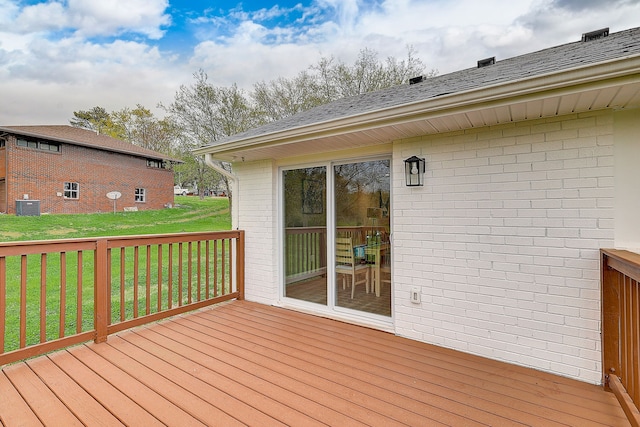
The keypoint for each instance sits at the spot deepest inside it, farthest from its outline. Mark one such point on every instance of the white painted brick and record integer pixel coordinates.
(586, 145)
(545, 127)
(561, 135)
(489, 134)
(549, 165)
(563, 174)
(596, 213)
(580, 123)
(549, 280)
(533, 140)
(516, 131)
(563, 232)
(503, 240)
(599, 170)
(533, 250)
(546, 184)
(580, 164)
(591, 314)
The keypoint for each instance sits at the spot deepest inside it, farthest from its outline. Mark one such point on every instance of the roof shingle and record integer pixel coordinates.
(84, 137)
(555, 59)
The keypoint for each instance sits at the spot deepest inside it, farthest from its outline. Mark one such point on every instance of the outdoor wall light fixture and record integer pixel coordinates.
(414, 171)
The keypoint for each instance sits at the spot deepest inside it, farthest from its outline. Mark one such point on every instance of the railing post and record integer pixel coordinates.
(610, 319)
(101, 294)
(240, 264)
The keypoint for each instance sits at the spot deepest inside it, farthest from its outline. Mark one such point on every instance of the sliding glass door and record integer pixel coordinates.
(305, 237)
(355, 200)
(361, 194)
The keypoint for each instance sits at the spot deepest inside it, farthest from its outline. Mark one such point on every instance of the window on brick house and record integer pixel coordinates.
(40, 145)
(71, 190)
(140, 195)
(160, 164)
(22, 142)
(48, 146)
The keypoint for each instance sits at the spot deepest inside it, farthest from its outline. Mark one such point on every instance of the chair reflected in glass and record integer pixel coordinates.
(378, 255)
(348, 265)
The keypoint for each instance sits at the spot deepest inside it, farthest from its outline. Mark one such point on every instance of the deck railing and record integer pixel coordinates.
(305, 252)
(621, 328)
(306, 248)
(62, 292)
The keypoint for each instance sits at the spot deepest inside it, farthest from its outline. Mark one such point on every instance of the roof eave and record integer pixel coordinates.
(80, 143)
(586, 76)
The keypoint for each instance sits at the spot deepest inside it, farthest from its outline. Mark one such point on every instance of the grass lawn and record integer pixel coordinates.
(189, 215)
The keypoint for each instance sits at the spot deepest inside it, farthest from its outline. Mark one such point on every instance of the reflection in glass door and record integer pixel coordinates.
(305, 239)
(363, 249)
(359, 244)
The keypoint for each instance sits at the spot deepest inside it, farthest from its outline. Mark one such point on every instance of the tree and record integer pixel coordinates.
(282, 97)
(97, 119)
(331, 79)
(205, 114)
(367, 74)
(140, 127)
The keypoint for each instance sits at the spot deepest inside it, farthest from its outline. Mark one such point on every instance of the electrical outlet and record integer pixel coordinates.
(415, 295)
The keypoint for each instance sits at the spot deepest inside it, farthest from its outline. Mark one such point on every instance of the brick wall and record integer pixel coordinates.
(502, 241)
(256, 199)
(42, 175)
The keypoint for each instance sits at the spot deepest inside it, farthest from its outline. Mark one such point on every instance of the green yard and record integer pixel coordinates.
(189, 215)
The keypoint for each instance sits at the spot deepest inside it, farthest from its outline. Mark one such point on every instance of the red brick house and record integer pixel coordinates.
(71, 170)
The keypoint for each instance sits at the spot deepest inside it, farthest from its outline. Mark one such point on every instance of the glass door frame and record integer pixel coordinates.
(331, 307)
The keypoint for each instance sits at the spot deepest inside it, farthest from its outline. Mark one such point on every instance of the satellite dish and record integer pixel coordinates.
(114, 195)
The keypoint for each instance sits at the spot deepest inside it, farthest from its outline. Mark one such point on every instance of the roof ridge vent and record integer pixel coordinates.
(417, 79)
(595, 35)
(486, 62)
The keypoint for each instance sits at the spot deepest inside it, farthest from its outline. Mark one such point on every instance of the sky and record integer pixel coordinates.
(61, 56)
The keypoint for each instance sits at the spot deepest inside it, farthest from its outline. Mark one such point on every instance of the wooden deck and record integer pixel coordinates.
(242, 363)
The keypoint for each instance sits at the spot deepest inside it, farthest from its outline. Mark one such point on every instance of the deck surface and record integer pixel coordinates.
(243, 363)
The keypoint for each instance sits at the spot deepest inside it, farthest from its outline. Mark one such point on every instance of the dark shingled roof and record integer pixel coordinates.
(86, 138)
(555, 59)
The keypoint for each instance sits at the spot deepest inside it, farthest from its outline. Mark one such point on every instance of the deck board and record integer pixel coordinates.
(222, 391)
(436, 379)
(85, 408)
(324, 399)
(13, 409)
(187, 391)
(243, 363)
(119, 371)
(326, 363)
(121, 404)
(46, 406)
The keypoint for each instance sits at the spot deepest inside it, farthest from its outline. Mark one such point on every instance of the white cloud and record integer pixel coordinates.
(248, 32)
(95, 18)
(52, 61)
(274, 12)
(41, 17)
(106, 17)
(34, 102)
(73, 59)
(8, 11)
(252, 62)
